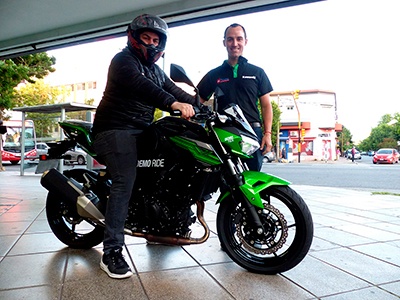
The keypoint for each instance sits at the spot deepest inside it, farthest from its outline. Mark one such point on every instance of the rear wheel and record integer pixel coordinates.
(287, 238)
(68, 226)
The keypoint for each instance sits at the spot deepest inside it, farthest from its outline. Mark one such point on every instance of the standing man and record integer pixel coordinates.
(353, 153)
(135, 87)
(243, 84)
(3, 130)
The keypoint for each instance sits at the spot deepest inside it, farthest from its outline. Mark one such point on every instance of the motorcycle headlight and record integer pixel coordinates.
(249, 145)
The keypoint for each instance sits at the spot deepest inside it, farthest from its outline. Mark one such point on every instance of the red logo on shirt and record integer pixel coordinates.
(222, 80)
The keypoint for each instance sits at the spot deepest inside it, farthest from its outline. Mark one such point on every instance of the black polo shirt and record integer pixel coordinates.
(242, 85)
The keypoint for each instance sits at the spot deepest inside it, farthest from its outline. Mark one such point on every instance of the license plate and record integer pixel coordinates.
(45, 165)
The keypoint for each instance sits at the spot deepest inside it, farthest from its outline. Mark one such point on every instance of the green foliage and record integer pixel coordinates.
(275, 122)
(16, 70)
(44, 123)
(396, 126)
(37, 65)
(39, 93)
(345, 139)
(80, 115)
(385, 119)
(385, 135)
(388, 143)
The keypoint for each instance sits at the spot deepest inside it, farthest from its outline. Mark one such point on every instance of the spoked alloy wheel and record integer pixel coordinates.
(288, 232)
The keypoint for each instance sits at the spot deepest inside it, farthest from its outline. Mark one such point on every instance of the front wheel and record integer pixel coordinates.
(288, 232)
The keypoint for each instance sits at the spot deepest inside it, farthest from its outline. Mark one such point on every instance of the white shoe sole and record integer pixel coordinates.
(112, 275)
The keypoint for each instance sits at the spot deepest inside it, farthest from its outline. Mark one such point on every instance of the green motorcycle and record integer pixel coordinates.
(262, 224)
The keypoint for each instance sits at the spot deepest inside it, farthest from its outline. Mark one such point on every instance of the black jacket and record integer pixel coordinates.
(132, 93)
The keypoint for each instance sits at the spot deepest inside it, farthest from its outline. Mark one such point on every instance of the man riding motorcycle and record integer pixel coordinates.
(135, 87)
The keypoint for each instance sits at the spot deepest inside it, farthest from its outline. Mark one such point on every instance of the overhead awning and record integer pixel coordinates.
(36, 26)
(54, 108)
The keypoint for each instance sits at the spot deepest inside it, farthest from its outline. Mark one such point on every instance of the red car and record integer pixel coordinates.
(386, 155)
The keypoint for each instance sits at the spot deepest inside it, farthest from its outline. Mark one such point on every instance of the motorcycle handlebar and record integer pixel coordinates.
(201, 111)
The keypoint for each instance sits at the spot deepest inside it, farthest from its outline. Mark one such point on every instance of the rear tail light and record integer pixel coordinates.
(43, 157)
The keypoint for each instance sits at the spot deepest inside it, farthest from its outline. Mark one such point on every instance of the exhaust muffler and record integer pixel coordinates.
(72, 191)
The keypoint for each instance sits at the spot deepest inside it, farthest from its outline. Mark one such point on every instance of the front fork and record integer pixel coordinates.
(248, 189)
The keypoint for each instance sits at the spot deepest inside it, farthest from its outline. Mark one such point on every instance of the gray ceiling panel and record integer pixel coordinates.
(28, 26)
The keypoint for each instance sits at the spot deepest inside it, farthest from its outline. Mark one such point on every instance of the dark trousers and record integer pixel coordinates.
(118, 150)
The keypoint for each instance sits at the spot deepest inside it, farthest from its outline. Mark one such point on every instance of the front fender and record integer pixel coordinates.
(254, 183)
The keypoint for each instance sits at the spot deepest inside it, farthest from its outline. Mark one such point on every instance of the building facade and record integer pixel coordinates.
(308, 125)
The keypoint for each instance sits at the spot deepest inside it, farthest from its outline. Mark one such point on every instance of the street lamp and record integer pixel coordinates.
(295, 95)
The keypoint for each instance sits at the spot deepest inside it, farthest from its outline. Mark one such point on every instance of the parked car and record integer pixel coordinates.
(75, 156)
(269, 157)
(371, 153)
(41, 149)
(386, 155)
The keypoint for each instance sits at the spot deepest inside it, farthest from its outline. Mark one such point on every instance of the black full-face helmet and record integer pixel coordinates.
(149, 54)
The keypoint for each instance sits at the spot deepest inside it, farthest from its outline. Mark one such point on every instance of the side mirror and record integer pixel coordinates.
(218, 93)
(178, 74)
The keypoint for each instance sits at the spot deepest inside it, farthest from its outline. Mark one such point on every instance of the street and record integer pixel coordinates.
(362, 174)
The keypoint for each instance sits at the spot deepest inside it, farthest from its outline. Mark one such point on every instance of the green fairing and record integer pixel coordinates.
(232, 141)
(198, 153)
(85, 132)
(254, 183)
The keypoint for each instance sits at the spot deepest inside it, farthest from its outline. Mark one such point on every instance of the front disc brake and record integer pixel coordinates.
(272, 240)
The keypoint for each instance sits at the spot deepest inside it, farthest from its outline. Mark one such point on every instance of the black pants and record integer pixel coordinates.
(117, 148)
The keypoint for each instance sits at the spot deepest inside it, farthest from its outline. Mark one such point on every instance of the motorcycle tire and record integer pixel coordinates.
(67, 226)
(288, 235)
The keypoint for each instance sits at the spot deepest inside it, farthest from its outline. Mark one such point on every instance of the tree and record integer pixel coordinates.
(39, 93)
(388, 143)
(385, 119)
(396, 126)
(14, 71)
(345, 139)
(385, 135)
(276, 124)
